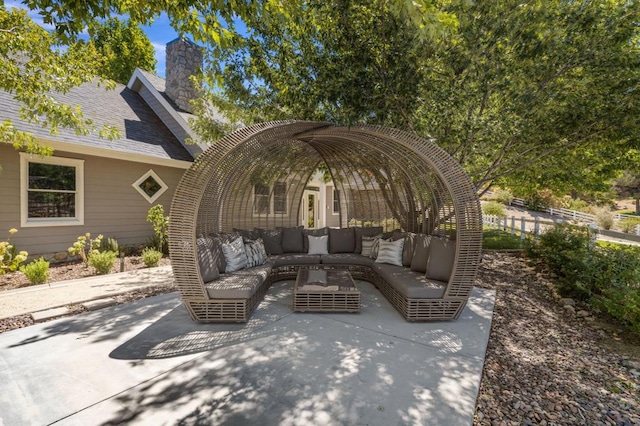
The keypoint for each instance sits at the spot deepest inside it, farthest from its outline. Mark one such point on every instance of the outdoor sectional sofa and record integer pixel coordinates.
(412, 273)
(378, 176)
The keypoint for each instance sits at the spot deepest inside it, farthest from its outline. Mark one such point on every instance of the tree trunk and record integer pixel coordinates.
(638, 205)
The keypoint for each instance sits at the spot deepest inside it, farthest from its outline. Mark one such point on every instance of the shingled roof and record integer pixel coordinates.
(142, 131)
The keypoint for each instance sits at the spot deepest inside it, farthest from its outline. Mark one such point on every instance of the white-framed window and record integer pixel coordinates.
(268, 200)
(335, 201)
(260, 199)
(280, 198)
(51, 191)
(150, 186)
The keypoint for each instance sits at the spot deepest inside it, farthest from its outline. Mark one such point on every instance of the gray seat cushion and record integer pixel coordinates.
(295, 259)
(420, 253)
(233, 286)
(346, 259)
(261, 271)
(292, 240)
(342, 240)
(442, 255)
(413, 285)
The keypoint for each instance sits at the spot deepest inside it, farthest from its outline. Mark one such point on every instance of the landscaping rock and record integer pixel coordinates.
(567, 302)
(544, 365)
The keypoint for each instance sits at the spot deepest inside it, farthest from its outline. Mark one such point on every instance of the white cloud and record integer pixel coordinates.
(161, 56)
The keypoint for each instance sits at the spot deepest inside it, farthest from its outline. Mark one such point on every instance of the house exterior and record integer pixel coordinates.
(95, 185)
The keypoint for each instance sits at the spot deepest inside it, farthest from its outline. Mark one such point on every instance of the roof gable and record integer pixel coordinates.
(142, 131)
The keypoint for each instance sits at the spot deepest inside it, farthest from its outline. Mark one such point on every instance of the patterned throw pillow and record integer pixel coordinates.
(235, 255)
(367, 244)
(390, 252)
(256, 254)
(375, 246)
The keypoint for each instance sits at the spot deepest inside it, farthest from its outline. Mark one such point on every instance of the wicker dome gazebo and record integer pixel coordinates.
(384, 176)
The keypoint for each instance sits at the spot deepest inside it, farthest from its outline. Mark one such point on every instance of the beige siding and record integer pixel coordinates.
(112, 206)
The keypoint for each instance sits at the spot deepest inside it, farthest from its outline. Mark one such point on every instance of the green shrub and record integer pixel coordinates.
(576, 204)
(540, 200)
(109, 244)
(607, 276)
(84, 245)
(565, 249)
(10, 258)
(151, 257)
(160, 223)
(37, 271)
(102, 261)
(604, 217)
(629, 224)
(493, 208)
(503, 195)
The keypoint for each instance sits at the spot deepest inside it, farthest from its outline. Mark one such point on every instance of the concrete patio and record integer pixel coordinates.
(147, 363)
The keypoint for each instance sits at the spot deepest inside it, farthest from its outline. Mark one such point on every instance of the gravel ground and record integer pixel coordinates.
(551, 365)
(545, 364)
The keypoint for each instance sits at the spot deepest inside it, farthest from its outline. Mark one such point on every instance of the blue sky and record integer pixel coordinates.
(159, 33)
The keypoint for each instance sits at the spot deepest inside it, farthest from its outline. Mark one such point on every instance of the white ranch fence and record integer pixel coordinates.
(562, 213)
(521, 226)
(518, 226)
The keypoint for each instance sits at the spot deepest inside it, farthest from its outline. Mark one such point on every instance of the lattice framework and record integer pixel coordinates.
(385, 176)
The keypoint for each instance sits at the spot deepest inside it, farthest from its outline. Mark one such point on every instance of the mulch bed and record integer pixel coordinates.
(545, 365)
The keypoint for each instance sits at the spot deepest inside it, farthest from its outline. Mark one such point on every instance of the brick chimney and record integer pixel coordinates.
(183, 59)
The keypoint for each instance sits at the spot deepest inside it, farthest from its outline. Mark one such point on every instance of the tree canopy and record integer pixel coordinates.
(33, 66)
(38, 63)
(516, 91)
(123, 46)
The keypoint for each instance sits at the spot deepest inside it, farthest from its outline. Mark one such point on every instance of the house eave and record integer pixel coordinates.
(116, 155)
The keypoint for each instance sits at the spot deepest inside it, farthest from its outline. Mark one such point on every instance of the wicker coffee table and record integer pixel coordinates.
(319, 290)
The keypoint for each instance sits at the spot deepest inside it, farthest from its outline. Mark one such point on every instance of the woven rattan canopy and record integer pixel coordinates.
(384, 177)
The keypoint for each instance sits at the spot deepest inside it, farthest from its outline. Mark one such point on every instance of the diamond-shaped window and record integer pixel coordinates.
(150, 186)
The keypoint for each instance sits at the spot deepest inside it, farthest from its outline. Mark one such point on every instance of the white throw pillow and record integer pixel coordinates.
(235, 255)
(390, 252)
(318, 245)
